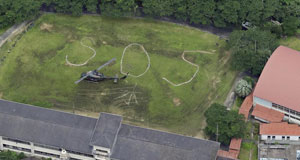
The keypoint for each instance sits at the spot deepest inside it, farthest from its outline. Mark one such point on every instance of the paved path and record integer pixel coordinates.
(231, 95)
(15, 29)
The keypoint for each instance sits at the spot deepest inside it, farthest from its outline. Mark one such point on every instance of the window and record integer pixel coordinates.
(273, 137)
(288, 137)
(46, 154)
(283, 137)
(269, 137)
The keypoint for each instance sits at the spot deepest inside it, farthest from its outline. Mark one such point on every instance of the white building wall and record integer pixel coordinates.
(1, 145)
(280, 137)
(33, 148)
(262, 102)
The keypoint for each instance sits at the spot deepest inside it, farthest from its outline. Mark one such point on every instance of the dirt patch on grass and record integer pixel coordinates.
(46, 27)
(176, 101)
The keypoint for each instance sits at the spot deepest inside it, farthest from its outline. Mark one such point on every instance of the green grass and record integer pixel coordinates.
(246, 149)
(35, 70)
(292, 42)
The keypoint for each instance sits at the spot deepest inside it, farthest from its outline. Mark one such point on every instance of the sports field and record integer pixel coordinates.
(172, 93)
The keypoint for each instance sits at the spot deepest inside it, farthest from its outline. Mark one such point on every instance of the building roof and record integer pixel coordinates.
(225, 155)
(135, 143)
(246, 106)
(267, 114)
(44, 126)
(106, 130)
(78, 133)
(279, 81)
(235, 144)
(282, 128)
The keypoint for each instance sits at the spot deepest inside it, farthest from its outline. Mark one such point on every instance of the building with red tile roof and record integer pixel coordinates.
(246, 106)
(235, 144)
(279, 131)
(267, 115)
(227, 155)
(278, 86)
(234, 149)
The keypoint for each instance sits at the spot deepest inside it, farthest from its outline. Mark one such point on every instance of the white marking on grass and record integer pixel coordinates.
(82, 64)
(197, 66)
(148, 57)
(132, 97)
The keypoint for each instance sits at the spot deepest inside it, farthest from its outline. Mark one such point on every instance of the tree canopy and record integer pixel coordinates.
(9, 155)
(226, 124)
(220, 13)
(251, 49)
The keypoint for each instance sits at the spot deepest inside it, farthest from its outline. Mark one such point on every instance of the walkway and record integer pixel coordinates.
(15, 29)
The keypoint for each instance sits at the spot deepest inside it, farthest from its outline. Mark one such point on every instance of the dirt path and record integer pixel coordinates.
(231, 95)
(12, 31)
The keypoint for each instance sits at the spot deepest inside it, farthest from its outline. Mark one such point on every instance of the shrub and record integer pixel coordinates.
(243, 88)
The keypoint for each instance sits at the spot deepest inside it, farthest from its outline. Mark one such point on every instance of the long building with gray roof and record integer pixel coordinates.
(59, 135)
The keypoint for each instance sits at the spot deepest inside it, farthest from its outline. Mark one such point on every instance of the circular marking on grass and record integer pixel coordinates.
(197, 66)
(82, 64)
(148, 57)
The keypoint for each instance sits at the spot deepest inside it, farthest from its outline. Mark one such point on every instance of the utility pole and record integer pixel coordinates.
(217, 132)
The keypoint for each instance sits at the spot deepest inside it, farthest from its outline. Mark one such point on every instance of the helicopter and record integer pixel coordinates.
(95, 76)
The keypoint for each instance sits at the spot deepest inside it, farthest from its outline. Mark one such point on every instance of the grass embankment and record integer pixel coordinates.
(35, 70)
(292, 41)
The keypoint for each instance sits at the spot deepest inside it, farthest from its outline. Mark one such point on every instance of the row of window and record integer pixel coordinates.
(283, 138)
(46, 154)
(280, 107)
(39, 145)
(48, 147)
(15, 140)
(81, 154)
(16, 148)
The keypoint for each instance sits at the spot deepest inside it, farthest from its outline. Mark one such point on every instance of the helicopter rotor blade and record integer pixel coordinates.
(107, 63)
(82, 78)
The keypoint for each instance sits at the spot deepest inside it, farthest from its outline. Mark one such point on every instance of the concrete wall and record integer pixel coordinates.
(262, 102)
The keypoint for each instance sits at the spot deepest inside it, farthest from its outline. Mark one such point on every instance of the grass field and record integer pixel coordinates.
(35, 70)
(292, 41)
(246, 149)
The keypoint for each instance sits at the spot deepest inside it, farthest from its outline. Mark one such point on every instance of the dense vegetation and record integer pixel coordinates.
(224, 124)
(220, 13)
(9, 155)
(251, 49)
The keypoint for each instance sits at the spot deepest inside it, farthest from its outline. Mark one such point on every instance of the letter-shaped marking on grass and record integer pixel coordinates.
(197, 66)
(82, 64)
(148, 57)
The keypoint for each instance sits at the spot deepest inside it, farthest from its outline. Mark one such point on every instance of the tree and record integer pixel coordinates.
(224, 124)
(251, 49)
(91, 5)
(290, 25)
(158, 8)
(9, 155)
(118, 8)
(16, 11)
(227, 12)
(201, 11)
(243, 88)
(251, 11)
